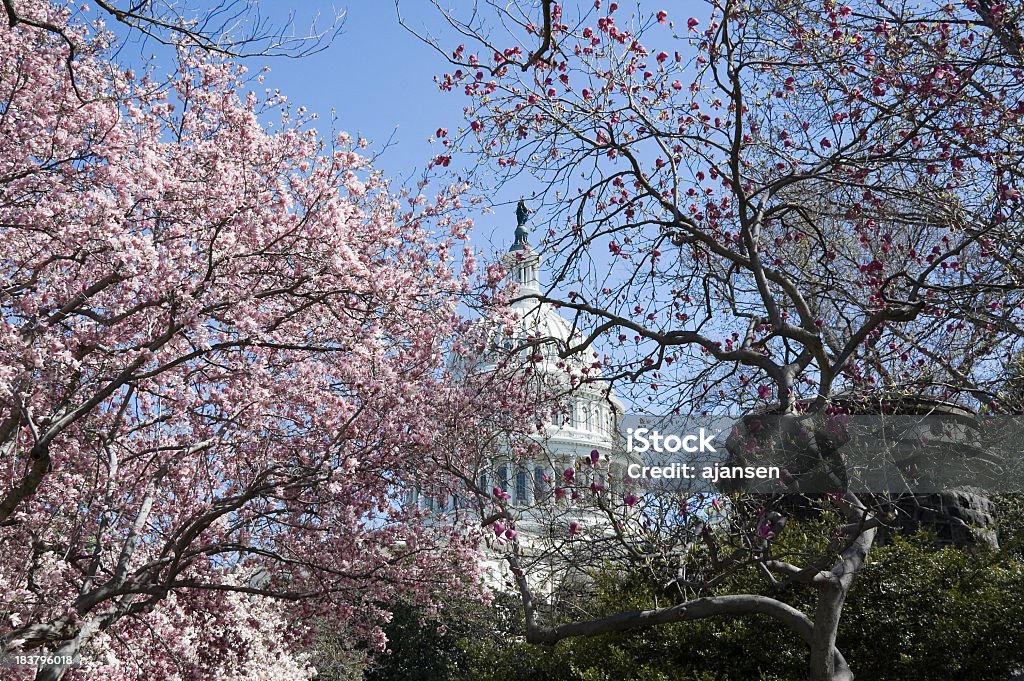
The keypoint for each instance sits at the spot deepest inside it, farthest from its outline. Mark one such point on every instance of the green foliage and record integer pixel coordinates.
(422, 648)
(947, 614)
(915, 612)
(335, 654)
(1010, 524)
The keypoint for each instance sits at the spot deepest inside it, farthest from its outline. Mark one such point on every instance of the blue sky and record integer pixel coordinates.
(375, 76)
(379, 80)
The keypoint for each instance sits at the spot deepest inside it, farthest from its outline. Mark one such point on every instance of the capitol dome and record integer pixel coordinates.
(587, 421)
(593, 410)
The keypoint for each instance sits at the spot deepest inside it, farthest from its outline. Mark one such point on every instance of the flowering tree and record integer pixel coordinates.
(233, 28)
(216, 352)
(766, 207)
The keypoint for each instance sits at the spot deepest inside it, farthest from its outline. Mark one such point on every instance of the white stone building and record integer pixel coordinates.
(590, 423)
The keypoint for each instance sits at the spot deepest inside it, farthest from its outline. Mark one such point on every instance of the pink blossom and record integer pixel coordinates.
(184, 276)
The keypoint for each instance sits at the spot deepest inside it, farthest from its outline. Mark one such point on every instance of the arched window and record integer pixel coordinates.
(520, 497)
(539, 484)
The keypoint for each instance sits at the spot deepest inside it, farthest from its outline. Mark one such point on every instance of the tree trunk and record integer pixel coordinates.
(70, 649)
(825, 664)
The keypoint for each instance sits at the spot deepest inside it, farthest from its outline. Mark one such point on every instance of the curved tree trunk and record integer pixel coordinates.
(824, 664)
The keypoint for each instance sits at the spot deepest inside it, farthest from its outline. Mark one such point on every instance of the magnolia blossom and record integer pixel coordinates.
(221, 365)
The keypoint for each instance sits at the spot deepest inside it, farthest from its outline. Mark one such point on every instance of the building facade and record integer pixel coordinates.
(585, 428)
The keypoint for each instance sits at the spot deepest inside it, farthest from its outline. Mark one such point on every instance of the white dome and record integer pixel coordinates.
(593, 409)
(587, 419)
(540, 324)
(542, 321)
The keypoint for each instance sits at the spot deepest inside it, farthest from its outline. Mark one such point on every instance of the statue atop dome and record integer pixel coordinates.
(522, 215)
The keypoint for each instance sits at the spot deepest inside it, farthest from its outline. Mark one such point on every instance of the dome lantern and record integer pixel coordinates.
(523, 261)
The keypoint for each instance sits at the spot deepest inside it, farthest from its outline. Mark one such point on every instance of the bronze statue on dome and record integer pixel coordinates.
(522, 213)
